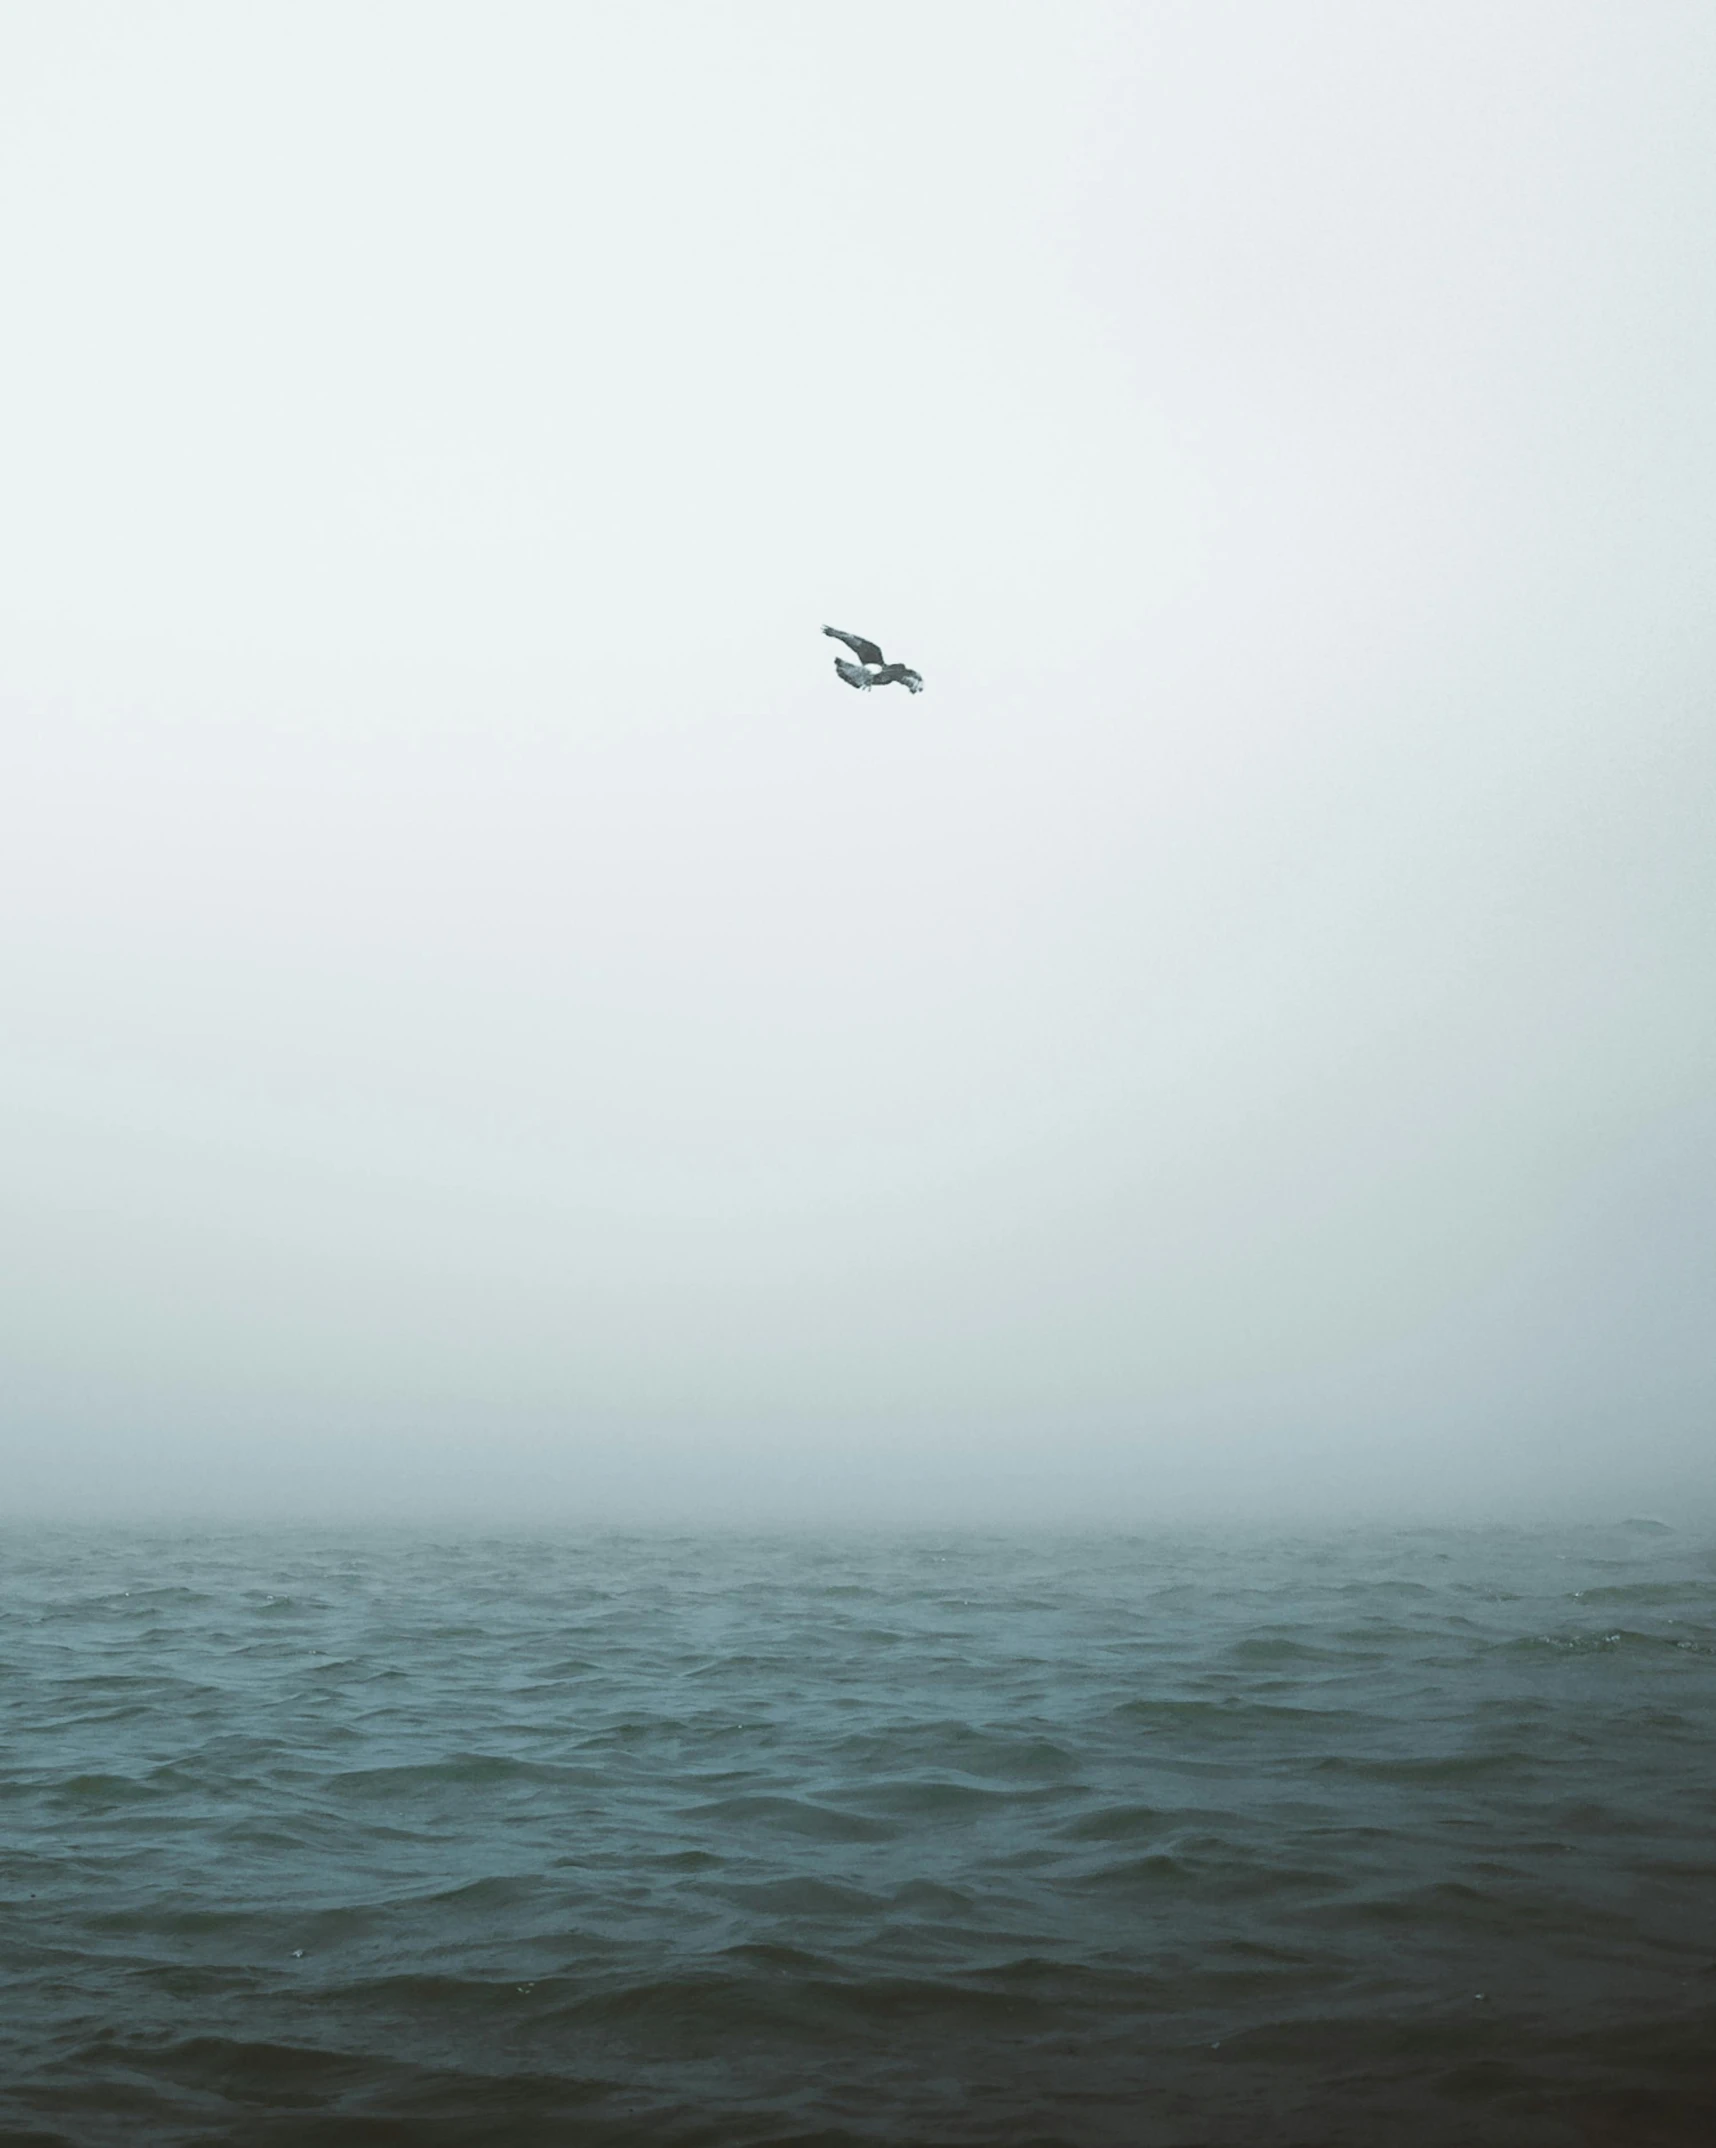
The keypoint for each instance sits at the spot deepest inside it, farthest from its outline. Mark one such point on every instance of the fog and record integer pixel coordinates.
(495, 1028)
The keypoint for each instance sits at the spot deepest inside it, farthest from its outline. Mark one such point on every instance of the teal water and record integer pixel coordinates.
(1381, 1837)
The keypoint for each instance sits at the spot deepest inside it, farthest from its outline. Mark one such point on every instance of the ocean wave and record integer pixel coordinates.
(628, 1839)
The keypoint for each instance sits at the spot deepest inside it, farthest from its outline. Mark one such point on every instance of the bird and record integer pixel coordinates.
(871, 668)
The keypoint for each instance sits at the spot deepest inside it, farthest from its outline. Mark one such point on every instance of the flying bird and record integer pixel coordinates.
(871, 668)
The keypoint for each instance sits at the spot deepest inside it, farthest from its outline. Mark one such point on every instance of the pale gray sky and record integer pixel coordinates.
(492, 1025)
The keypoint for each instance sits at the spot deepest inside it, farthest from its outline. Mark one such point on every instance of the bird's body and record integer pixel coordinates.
(871, 669)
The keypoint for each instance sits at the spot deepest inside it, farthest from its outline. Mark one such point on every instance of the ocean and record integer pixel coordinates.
(1374, 1836)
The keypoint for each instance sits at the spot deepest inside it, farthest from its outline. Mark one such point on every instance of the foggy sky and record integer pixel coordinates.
(493, 1027)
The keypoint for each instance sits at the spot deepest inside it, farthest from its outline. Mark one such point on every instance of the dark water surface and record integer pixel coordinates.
(1388, 1837)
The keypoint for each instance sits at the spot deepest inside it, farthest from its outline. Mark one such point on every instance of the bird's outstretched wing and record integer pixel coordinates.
(865, 651)
(853, 674)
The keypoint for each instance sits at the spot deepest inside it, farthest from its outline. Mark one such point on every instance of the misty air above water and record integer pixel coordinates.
(495, 1026)
(764, 1380)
